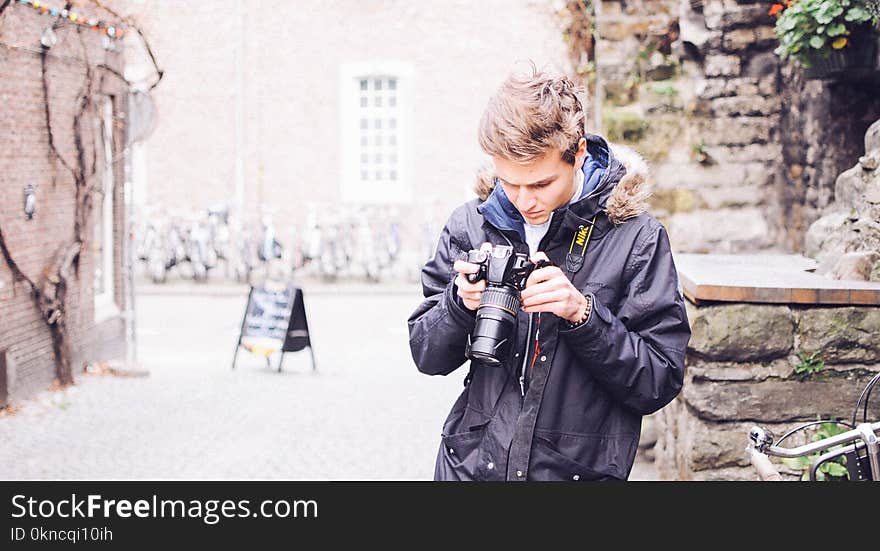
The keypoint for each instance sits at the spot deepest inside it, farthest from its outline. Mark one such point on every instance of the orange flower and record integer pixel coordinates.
(776, 9)
(788, 3)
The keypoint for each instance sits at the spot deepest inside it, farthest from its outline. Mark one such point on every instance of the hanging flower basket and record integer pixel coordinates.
(859, 59)
(829, 38)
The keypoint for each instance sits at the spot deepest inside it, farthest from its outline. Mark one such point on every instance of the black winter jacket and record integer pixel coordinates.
(579, 417)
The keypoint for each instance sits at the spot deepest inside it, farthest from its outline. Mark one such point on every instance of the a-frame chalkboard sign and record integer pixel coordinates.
(274, 320)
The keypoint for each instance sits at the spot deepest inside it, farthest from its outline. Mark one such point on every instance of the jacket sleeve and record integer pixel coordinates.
(638, 354)
(439, 327)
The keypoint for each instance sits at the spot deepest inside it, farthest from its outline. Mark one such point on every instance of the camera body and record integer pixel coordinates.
(505, 273)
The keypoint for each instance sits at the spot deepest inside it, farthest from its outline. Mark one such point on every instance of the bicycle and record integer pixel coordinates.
(860, 446)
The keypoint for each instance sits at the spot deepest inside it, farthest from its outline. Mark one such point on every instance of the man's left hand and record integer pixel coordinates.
(548, 290)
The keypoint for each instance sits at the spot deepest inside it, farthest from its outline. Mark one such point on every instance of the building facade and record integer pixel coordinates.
(288, 106)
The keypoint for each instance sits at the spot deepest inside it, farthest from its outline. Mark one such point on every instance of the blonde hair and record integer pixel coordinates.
(531, 114)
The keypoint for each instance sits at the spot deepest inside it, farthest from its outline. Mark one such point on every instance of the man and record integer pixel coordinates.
(601, 337)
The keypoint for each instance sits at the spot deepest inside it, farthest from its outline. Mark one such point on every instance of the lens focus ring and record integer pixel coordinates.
(502, 298)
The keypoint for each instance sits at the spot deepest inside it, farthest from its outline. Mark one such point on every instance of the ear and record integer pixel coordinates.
(581, 153)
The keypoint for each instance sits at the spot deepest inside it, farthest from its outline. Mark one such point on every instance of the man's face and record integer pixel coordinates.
(540, 187)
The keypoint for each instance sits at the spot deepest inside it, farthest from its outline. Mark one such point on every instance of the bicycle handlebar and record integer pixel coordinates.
(763, 442)
(864, 433)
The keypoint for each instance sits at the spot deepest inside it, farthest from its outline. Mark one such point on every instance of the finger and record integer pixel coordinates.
(470, 295)
(547, 302)
(536, 289)
(552, 284)
(464, 286)
(550, 307)
(486, 247)
(548, 293)
(472, 304)
(543, 274)
(539, 256)
(461, 283)
(463, 267)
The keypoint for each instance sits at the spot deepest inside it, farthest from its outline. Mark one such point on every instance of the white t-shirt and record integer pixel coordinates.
(536, 232)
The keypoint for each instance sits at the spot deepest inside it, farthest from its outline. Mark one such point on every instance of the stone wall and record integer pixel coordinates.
(846, 239)
(745, 150)
(741, 371)
(821, 135)
(728, 50)
(694, 87)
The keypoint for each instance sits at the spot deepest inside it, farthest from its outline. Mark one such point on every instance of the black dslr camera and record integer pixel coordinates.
(505, 273)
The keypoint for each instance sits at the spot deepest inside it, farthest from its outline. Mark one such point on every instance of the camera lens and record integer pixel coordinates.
(496, 317)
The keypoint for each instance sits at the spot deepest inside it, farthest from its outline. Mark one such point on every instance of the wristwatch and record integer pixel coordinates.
(585, 316)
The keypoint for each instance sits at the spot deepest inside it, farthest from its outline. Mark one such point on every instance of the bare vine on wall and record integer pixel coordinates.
(49, 291)
(579, 32)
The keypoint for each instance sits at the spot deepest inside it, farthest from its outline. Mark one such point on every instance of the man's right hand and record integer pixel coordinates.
(470, 293)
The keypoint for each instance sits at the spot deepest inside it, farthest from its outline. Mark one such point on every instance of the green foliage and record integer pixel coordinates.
(810, 29)
(809, 365)
(700, 154)
(830, 470)
(587, 71)
(646, 49)
(624, 126)
(632, 82)
(665, 89)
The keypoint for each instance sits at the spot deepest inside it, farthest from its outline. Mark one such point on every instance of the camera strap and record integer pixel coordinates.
(574, 260)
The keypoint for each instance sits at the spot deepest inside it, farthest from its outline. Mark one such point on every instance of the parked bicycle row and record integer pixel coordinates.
(366, 243)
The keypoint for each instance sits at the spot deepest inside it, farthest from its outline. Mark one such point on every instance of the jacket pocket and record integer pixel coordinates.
(460, 454)
(548, 463)
(575, 457)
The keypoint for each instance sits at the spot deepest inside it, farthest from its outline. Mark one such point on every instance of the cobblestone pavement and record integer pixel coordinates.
(365, 414)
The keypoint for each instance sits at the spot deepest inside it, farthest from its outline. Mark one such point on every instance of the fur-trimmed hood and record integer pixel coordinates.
(628, 195)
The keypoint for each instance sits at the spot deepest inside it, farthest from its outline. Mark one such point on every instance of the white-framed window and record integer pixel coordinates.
(375, 116)
(105, 302)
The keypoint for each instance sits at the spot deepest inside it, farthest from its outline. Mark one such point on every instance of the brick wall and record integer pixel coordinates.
(25, 159)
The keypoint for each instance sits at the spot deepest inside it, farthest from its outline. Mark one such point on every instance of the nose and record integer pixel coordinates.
(525, 198)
